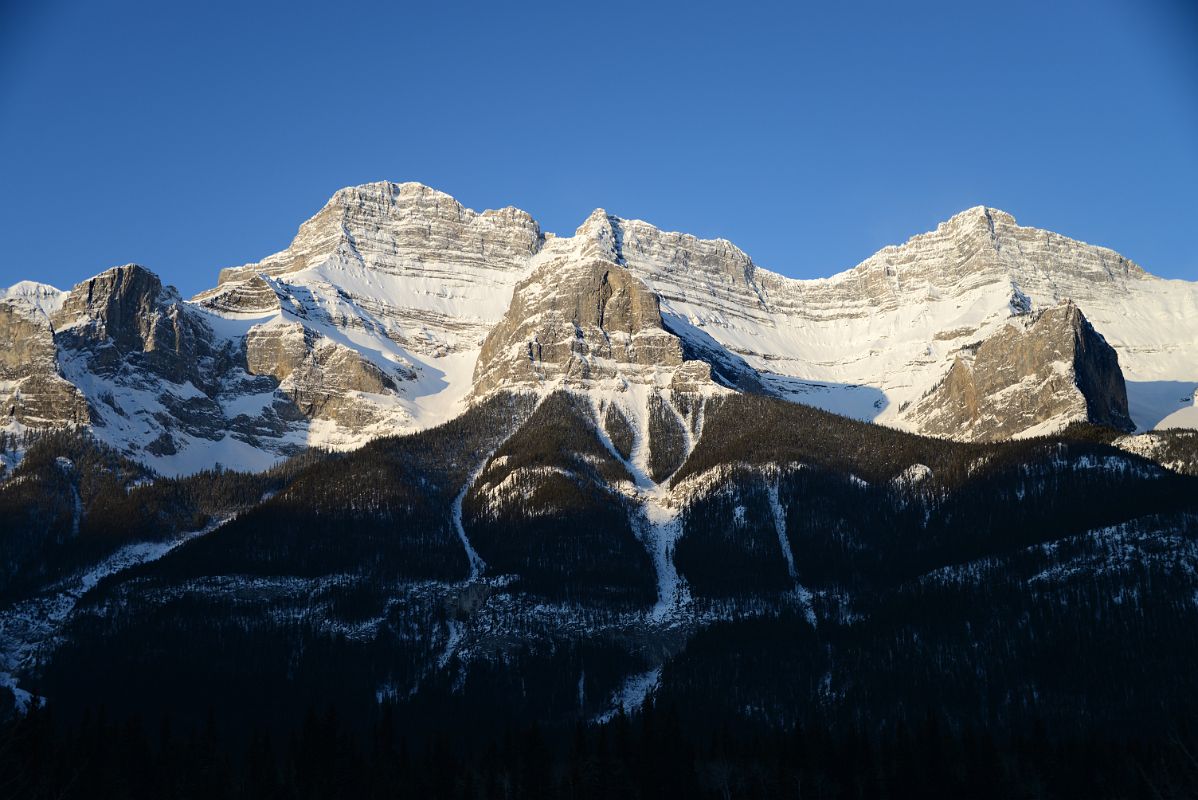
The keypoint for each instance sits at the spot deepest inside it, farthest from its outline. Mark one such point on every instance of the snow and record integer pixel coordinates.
(846, 345)
(1164, 404)
(632, 695)
(779, 514)
(11, 459)
(453, 639)
(414, 293)
(30, 626)
(477, 565)
(332, 300)
(1149, 445)
(658, 524)
(661, 534)
(41, 296)
(913, 475)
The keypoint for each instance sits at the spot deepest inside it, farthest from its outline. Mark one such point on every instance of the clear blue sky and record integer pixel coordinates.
(191, 136)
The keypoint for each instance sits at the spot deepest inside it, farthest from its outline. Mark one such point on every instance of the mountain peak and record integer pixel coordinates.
(42, 296)
(982, 214)
(602, 236)
(124, 282)
(598, 217)
(415, 195)
(29, 289)
(577, 320)
(377, 191)
(1034, 376)
(399, 229)
(395, 305)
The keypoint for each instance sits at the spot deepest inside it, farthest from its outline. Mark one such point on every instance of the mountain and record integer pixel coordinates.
(32, 387)
(435, 477)
(754, 566)
(1045, 370)
(368, 324)
(872, 340)
(395, 308)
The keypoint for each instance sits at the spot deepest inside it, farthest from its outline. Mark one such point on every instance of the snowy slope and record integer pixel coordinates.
(403, 276)
(41, 296)
(867, 341)
(372, 323)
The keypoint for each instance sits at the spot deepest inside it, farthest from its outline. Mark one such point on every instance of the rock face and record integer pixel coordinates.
(578, 319)
(161, 384)
(373, 318)
(32, 393)
(870, 341)
(401, 261)
(395, 307)
(322, 378)
(584, 323)
(250, 295)
(1035, 376)
(125, 315)
(368, 324)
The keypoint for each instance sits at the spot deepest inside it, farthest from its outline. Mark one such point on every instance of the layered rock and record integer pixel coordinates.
(584, 323)
(161, 385)
(323, 379)
(401, 261)
(1036, 375)
(252, 294)
(869, 341)
(395, 306)
(125, 315)
(573, 323)
(166, 387)
(372, 318)
(32, 392)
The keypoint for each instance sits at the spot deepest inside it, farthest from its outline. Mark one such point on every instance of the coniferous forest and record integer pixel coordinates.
(479, 611)
(576, 401)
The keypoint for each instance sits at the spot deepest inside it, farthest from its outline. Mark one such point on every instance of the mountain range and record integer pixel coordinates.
(395, 308)
(447, 475)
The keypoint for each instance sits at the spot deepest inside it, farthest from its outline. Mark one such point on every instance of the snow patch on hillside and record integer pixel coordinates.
(30, 626)
(632, 695)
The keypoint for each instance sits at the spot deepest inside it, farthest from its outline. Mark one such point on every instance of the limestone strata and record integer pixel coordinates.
(126, 313)
(576, 322)
(395, 306)
(871, 340)
(32, 392)
(1035, 375)
(322, 378)
(398, 259)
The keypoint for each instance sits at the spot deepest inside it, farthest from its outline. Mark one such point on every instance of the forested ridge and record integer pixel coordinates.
(862, 610)
(651, 754)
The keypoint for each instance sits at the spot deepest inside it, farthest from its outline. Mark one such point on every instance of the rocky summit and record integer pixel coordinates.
(484, 485)
(396, 308)
(1037, 374)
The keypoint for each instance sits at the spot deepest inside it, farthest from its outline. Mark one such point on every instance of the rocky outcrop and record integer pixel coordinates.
(125, 314)
(575, 323)
(32, 392)
(1035, 376)
(584, 316)
(395, 307)
(870, 341)
(322, 378)
(253, 294)
(375, 311)
(399, 260)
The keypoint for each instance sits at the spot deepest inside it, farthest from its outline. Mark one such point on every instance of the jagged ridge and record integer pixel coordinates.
(395, 307)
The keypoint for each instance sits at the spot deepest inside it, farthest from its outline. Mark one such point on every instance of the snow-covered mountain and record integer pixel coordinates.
(870, 341)
(1042, 370)
(395, 308)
